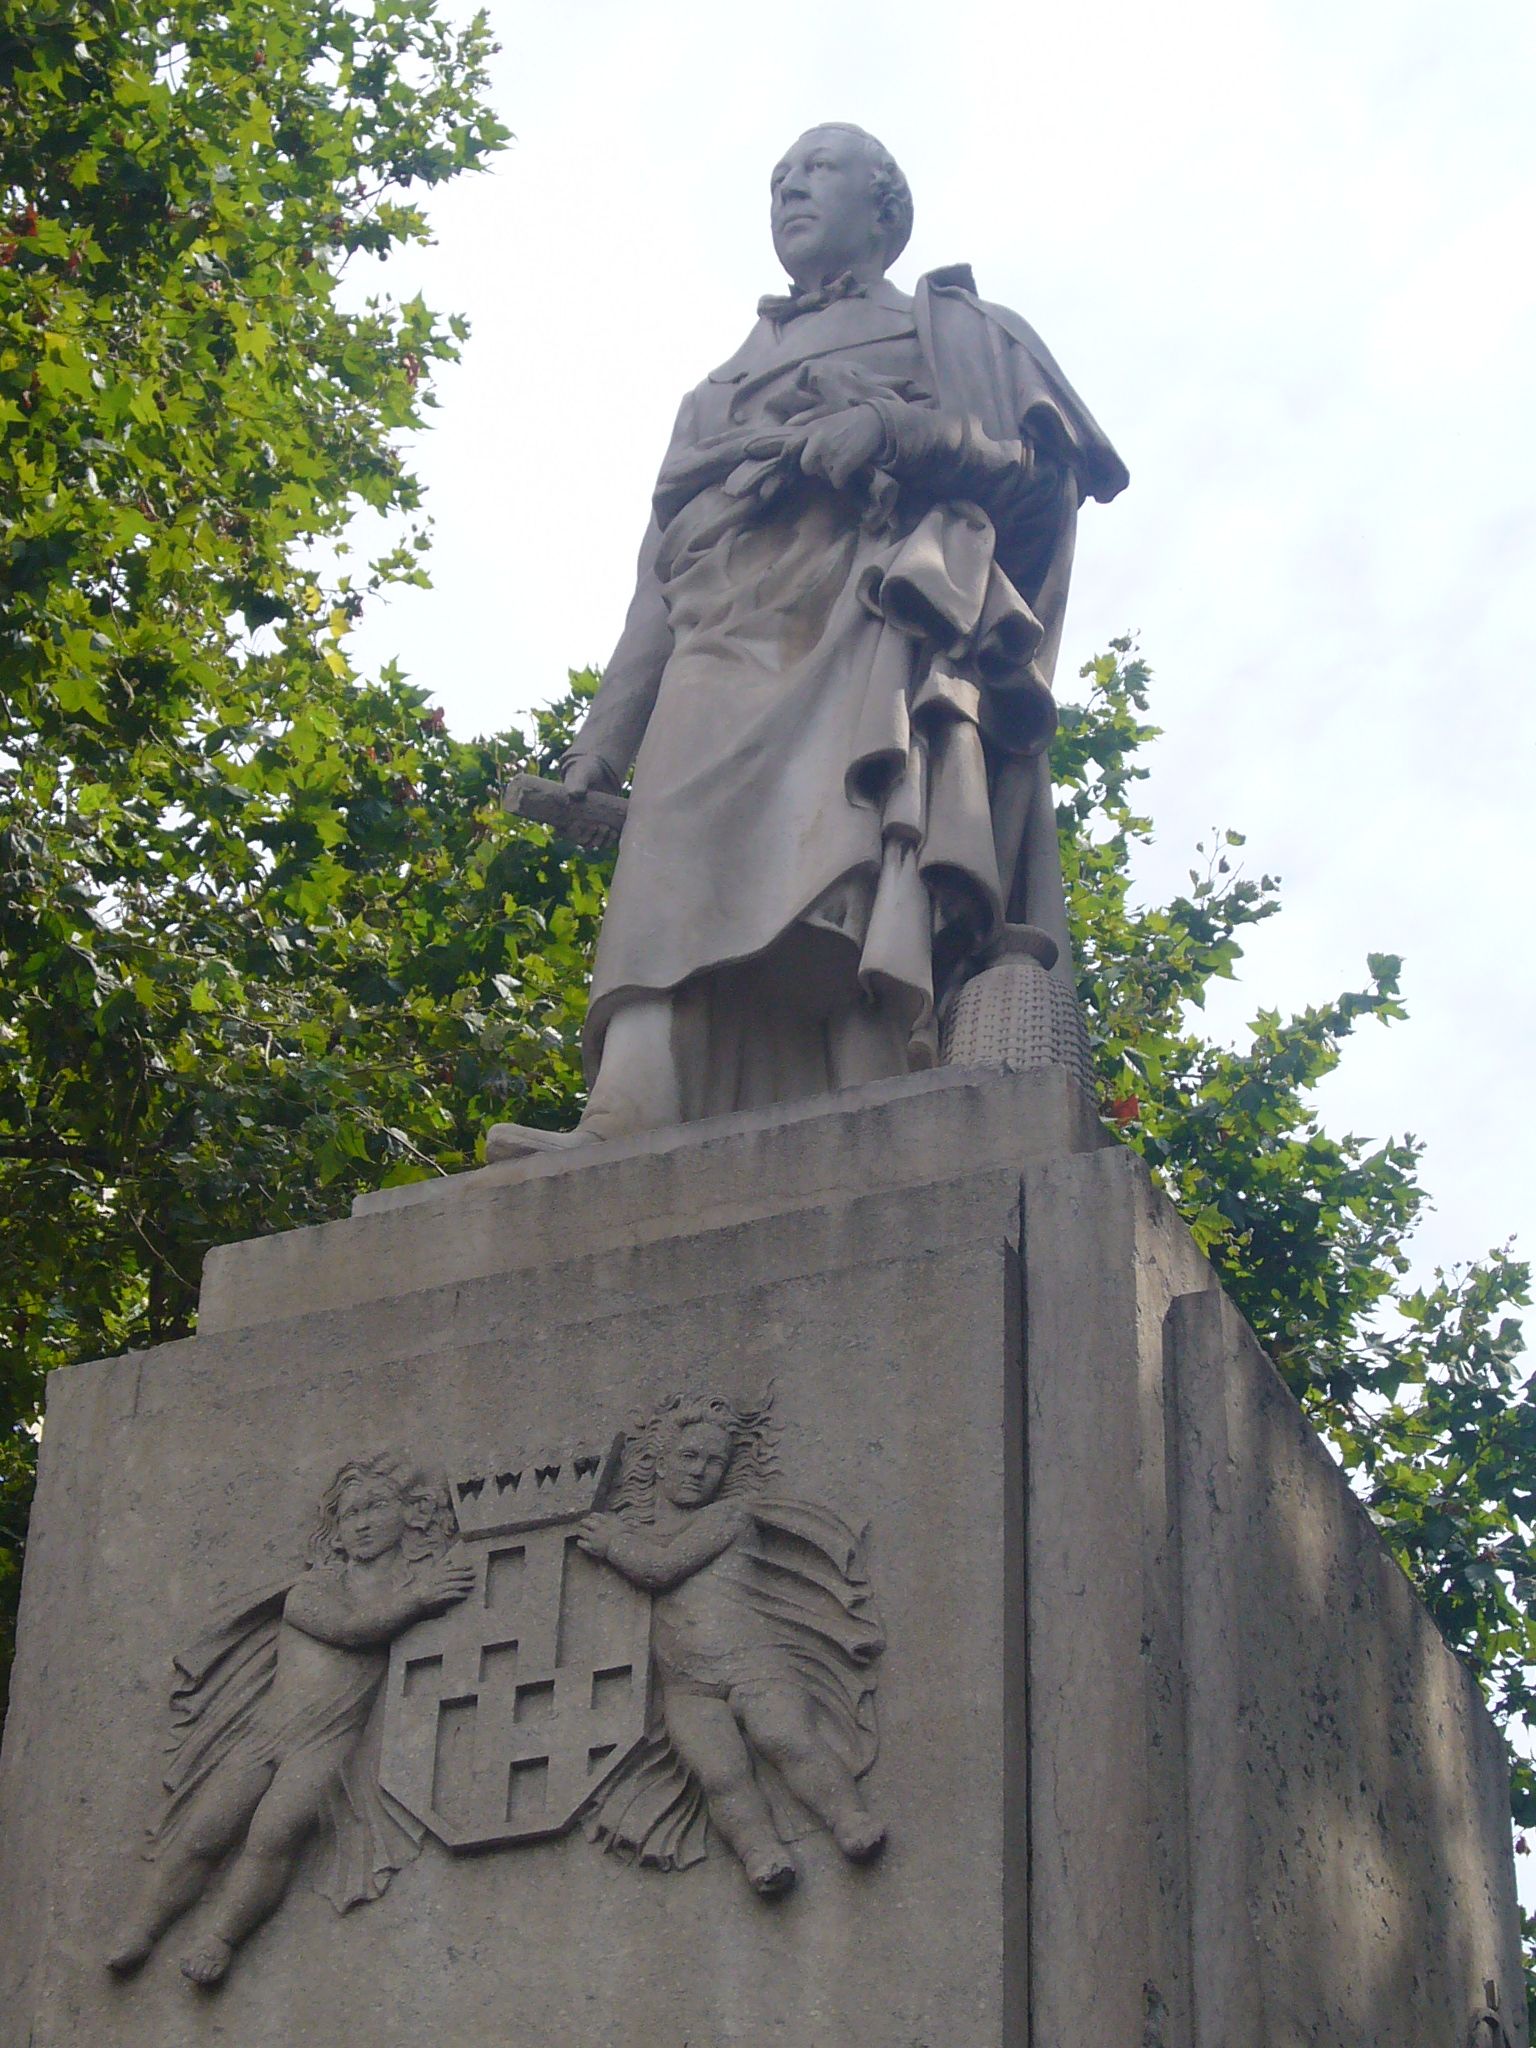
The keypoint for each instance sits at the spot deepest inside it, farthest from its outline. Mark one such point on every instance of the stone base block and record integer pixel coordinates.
(1167, 1751)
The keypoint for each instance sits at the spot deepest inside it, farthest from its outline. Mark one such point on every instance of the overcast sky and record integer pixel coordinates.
(1284, 253)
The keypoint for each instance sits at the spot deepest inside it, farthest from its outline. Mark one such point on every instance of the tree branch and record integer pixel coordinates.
(55, 1151)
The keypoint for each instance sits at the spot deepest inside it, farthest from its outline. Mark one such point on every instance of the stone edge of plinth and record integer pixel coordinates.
(717, 1130)
(887, 1134)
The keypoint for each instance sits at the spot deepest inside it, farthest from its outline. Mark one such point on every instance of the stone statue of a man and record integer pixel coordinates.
(834, 679)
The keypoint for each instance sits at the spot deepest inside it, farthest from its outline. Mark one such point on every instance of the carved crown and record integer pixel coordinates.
(527, 1493)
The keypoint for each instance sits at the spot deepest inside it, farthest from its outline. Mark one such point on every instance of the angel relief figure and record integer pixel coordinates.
(763, 1638)
(274, 1735)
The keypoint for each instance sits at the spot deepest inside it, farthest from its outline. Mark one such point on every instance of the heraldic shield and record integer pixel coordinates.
(506, 1715)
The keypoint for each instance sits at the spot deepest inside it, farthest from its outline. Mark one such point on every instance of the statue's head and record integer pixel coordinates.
(382, 1503)
(694, 1449)
(694, 1456)
(839, 203)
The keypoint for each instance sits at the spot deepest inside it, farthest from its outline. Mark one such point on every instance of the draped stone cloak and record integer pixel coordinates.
(226, 1719)
(838, 703)
(800, 1572)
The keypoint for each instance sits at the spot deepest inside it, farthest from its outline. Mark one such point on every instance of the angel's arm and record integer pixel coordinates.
(334, 1611)
(660, 1562)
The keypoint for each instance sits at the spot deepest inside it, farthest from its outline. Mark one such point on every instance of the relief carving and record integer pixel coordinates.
(275, 1723)
(655, 1639)
(647, 1637)
(763, 1638)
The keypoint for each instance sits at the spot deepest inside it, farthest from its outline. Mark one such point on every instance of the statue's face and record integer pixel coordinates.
(823, 208)
(370, 1519)
(691, 1469)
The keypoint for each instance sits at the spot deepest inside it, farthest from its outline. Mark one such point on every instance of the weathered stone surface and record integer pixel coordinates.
(176, 1480)
(1167, 1751)
(1345, 1859)
(1267, 1804)
(1105, 1258)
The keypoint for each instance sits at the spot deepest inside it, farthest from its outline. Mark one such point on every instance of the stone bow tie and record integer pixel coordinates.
(792, 304)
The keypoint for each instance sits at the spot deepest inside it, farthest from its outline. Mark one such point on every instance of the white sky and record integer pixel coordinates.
(1285, 254)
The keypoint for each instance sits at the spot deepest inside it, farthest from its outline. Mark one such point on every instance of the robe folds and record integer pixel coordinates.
(838, 702)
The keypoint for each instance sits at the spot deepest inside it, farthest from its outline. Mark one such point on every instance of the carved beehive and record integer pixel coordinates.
(1015, 1014)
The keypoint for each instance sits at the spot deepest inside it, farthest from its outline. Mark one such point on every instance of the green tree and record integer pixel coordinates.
(207, 825)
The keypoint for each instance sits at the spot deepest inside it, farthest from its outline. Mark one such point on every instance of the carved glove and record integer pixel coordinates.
(948, 456)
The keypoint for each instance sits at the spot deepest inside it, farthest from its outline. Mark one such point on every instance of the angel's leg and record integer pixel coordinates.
(778, 1724)
(259, 1875)
(706, 1737)
(180, 1874)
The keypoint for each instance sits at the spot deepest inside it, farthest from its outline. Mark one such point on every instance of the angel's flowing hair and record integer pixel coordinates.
(430, 1526)
(750, 1432)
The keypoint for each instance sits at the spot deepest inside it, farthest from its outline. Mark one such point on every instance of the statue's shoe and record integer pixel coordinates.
(522, 1141)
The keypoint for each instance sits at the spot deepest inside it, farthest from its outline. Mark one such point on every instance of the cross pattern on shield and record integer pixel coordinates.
(507, 1713)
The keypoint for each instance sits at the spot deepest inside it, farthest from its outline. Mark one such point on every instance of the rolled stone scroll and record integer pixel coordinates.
(593, 820)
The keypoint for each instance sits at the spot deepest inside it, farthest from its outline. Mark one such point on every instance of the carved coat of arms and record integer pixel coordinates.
(505, 1714)
(657, 1640)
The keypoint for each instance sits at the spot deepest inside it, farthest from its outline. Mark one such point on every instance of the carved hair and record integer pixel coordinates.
(752, 1437)
(892, 194)
(430, 1525)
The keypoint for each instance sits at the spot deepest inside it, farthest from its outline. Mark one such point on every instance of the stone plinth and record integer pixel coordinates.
(1168, 1752)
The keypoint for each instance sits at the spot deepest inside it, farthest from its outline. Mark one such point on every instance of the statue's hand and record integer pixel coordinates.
(595, 1535)
(587, 771)
(839, 446)
(445, 1580)
(581, 773)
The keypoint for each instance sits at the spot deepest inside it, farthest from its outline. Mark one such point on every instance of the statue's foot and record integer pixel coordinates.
(209, 1964)
(860, 1837)
(522, 1141)
(770, 1872)
(130, 1951)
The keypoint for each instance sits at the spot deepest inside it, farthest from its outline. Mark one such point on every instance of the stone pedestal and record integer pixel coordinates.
(1169, 1754)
